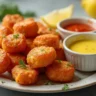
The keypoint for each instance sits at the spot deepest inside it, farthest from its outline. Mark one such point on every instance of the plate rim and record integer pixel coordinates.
(83, 83)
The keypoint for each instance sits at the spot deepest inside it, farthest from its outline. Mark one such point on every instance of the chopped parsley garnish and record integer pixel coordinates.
(68, 64)
(59, 61)
(66, 87)
(2, 82)
(16, 36)
(49, 29)
(48, 83)
(3, 36)
(42, 50)
(57, 32)
(22, 64)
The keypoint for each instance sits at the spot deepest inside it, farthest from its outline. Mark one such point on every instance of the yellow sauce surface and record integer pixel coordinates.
(84, 47)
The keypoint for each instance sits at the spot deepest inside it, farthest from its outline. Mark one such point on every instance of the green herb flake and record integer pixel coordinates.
(22, 64)
(2, 82)
(68, 64)
(49, 29)
(3, 36)
(66, 87)
(59, 61)
(16, 36)
(42, 50)
(48, 83)
(57, 32)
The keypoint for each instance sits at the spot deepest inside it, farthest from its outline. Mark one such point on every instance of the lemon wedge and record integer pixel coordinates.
(90, 7)
(52, 18)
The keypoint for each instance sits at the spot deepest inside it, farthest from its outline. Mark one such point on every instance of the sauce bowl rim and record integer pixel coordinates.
(73, 52)
(68, 31)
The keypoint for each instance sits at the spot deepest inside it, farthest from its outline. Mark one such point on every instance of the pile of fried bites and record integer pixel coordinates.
(28, 47)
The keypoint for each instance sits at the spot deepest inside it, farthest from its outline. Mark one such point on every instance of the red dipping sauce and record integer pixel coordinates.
(79, 27)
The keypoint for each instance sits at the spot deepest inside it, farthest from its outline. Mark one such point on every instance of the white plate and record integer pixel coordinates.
(81, 80)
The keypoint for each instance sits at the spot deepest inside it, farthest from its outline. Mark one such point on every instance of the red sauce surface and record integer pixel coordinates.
(79, 27)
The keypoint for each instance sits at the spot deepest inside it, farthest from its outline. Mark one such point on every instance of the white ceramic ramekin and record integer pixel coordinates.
(82, 62)
(64, 33)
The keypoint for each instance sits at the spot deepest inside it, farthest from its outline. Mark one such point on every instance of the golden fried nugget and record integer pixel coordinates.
(60, 52)
(4, 31)
(14, 43)
(29, 19)
(24, 76)
(4, 61)
(29, 28)
(47, 40)
(41, 28)
(15, 58)
(45, 30)
(40, 57)
(9, 20)
(60, 71)
(29, 42)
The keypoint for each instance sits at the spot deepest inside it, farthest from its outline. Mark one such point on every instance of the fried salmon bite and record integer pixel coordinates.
(15, 58)
(24, 76)
(4, 31)
(60, 71)
(60, 52)
(47, 40)
(9, 20)
(29, 19)
(29, 28)
(14, 43)
(29, 42)
(4, 61)
(44, 29)
(41, 56)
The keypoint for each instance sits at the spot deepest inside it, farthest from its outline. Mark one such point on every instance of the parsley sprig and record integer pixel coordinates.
(22, 64)
(3, 36)
(59, 61)
(69, 64)
(49, 29)
(2, 82)
(48, 83)
(66, 87)
(16, 36)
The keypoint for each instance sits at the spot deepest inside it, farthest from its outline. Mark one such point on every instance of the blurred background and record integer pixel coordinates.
(41, 7)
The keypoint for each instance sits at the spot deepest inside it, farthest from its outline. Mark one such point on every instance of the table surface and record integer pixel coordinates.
(41, 7)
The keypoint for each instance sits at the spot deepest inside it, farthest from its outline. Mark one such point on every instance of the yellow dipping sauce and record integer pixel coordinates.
(84, 47)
